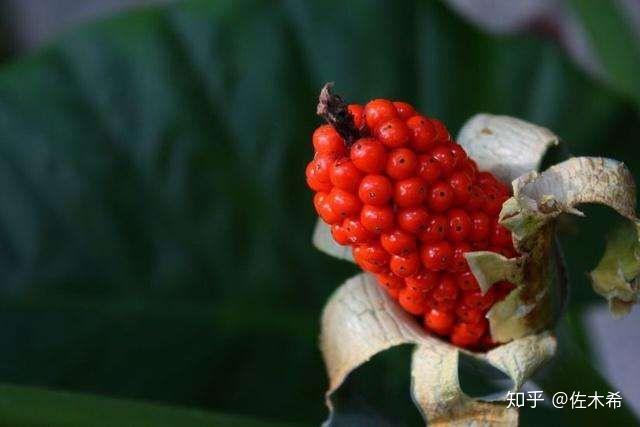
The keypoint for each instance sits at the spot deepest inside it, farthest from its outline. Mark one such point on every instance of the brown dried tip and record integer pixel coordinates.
(334, 110)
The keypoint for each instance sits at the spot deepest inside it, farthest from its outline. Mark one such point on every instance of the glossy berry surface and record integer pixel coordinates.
(410, 203)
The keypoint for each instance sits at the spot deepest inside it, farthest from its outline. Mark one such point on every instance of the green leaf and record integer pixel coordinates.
(33, 407)
(612, 37)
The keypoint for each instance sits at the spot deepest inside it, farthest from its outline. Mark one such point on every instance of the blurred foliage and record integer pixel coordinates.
(23, 406)
(154, 220)
(611, 35)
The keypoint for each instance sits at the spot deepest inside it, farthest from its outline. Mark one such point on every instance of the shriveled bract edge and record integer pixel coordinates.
(490, 267)
(617, 276)
(539, 198)
(360, 320)
(505, 146)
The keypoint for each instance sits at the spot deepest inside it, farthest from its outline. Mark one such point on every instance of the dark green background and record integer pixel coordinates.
(154, 221)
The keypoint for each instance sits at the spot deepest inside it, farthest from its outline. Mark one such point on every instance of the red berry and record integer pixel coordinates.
(413, 302)
(326, 140)
(442, 134)
(459, 225)
(486, 342)
(504, 190)
(494, 200)
(322, 164)
(458, 154)
(356, 232)
(485, 179)
(500, 236)
(468, 169)
(469, 314)
(458, 261)
(404, 110)
(480, 226)
(357, 112)
(378, 111)
(423, 282)
(473, 168)
(376, 218)
(401, 163)
(393, 293)
(496, 249)
(339, 234)
(502, 289)
(467, 281)
(371, 257)
(477, 199)
(390, 280)
(413, 220)
(439, 322)
(324, 210)
(372, 268)
(509, 252)
(409, 192)
(489, 298)
(404, 266)
(446, 289)
(473, 299)
(314, 180)
(461, 184)
(468, 334)
(437, 255)
(369, 155)
(393, 133)
(447, 305)
(344, 203)
(345, 175)
(398, 242)
(428, 168)
(375, 190)
(440, 197)
(442, 154)
(482, 245)
(436, 230)
(423, 134)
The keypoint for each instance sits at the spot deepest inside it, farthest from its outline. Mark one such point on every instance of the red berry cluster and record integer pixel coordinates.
(410, 203)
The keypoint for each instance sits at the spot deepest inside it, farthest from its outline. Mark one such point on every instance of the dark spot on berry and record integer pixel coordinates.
(401, 160)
